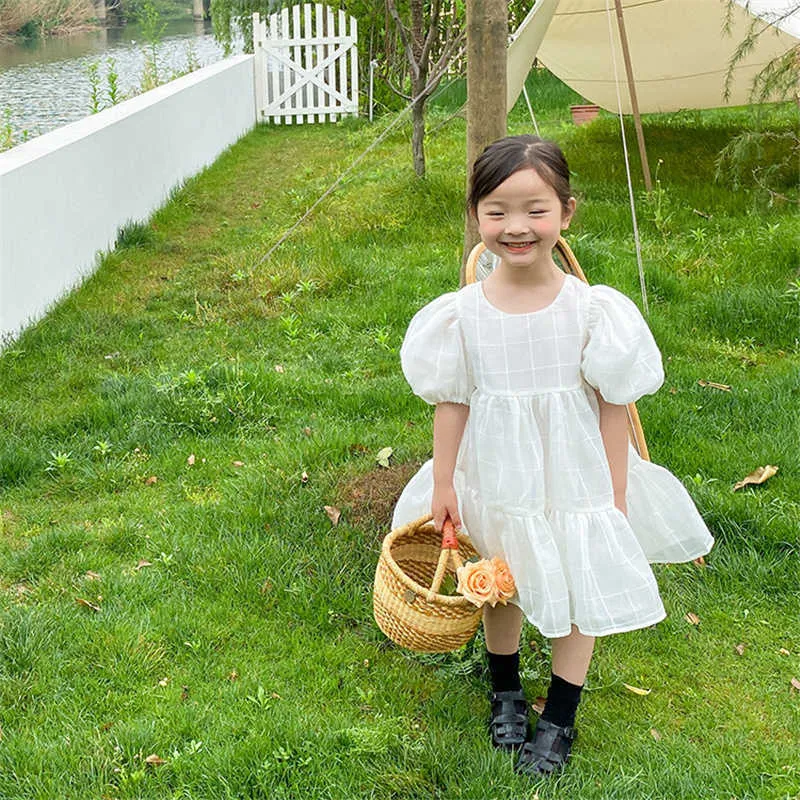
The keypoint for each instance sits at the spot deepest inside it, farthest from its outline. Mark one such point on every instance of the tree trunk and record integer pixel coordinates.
(487, 35)
(418, 136)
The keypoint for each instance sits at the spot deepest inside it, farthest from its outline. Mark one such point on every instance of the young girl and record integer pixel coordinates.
(530, 371)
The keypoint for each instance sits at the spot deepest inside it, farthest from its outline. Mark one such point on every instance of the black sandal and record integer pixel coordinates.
(509, 721)
(548, 750)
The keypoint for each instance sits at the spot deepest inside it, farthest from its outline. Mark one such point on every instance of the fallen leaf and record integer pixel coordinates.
(784, 652)
(233, 676)
(692, 618)
(795, 684)
(190, 461)
(266, 586)
(673, 390)
(307, 431)
(304, 477)
(655, 734)
(739, 649)
(757, 476)
(538, 704)
(723, 387)
(142, 564)
(151, 480)
(237, 463)
(154, 761)
(93, 576)
(637, 690)
(275, 696)
(163, 682)
(279, 368)
(383, 456)
(333, 514)
(87, 603)
(700, 561)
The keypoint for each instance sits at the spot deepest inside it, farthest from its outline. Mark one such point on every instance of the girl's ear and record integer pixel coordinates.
(567, 213)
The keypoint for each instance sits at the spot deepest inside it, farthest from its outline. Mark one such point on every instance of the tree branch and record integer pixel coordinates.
(390, 4)
(433, 35)
(406, 97)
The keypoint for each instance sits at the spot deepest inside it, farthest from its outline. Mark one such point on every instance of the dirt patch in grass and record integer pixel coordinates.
(371, 497)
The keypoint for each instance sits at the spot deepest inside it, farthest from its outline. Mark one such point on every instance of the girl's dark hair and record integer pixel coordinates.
(503, 158)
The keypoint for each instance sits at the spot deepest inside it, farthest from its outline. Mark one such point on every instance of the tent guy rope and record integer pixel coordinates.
(338, 182)
(636, 240)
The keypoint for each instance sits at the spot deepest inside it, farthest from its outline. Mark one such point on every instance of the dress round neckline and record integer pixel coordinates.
(541, 310)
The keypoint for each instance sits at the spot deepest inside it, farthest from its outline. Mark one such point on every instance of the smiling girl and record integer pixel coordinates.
(530, 371)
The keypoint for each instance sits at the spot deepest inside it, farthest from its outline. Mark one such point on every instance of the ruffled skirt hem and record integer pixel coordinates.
(589, 568)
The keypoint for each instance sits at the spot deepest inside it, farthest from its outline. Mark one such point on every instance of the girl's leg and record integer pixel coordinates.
(571, 656)
(502, 626)
(554, 734)
(508, 724)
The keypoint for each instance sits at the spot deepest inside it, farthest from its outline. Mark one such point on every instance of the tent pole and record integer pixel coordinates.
(487, 42)
(637, 119)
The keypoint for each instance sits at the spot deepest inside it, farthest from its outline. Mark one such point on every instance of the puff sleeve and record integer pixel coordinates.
(433, 357)
(620, 358)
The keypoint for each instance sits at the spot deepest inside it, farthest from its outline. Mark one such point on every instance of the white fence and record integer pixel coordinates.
(306, 65)
(64, 195)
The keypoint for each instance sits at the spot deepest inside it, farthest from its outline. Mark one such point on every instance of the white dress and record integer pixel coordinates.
(532, 477)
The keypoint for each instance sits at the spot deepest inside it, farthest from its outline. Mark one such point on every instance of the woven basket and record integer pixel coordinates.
(408, 608)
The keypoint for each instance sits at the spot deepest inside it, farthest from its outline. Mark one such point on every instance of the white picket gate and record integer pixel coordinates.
(306, 65)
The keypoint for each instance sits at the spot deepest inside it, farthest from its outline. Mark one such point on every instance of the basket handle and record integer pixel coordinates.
(449, 553)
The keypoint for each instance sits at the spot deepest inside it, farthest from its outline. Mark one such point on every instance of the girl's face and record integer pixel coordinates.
(521, 220)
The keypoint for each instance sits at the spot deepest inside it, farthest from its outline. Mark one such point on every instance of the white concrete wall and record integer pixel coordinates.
(64, 195)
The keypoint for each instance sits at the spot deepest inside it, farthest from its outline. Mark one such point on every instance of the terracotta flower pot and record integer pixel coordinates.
(582, 115)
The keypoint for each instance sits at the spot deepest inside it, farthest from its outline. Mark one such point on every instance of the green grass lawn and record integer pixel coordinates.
(171, 585)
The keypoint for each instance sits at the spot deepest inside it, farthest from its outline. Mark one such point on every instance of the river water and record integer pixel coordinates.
(45, 84)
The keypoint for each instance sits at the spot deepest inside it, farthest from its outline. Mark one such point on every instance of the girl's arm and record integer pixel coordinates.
(448, 427)
(614, 430)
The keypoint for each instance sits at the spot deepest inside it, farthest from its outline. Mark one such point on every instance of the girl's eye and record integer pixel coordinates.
(495, 214)
(536, 213)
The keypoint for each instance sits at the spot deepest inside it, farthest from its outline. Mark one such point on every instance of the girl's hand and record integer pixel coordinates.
(445, 504)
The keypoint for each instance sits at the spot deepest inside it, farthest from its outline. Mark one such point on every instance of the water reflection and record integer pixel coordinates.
(45, 83)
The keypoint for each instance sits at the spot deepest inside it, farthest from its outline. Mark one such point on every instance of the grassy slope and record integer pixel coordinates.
(244, 654)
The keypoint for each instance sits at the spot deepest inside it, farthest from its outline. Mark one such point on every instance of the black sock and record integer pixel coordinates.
(504, 671)
(562, 701)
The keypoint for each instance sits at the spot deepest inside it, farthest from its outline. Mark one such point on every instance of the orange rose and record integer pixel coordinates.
(476, 582)
(503, 580)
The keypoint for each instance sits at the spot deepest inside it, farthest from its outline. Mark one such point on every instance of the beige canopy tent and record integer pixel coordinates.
(679, 49)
